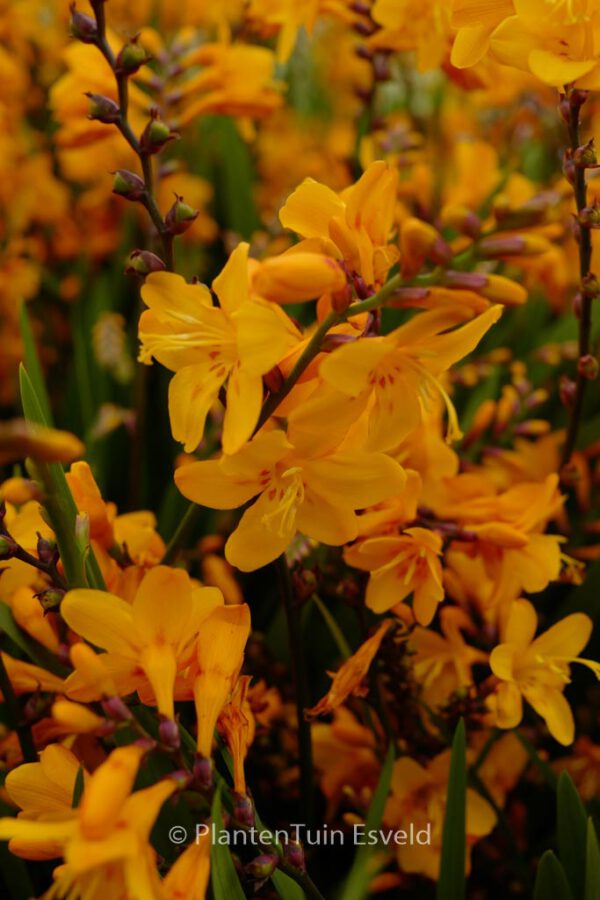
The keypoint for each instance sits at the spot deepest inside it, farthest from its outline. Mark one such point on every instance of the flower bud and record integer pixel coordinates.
(47, 550)
(169, 733)
(203, 773)
(243, 812)
(127, 184)
(180, 217)
(83, 27)
(503, 290)
(461, 219)
(590, 286)
(131, 57)
(589, 216)
(587, 366)
(294, 855)
(155, 135)
(262, 867)
(420, 241)
(143, 262)
(116, 709)
(570, 475)
(103, 109)
(50, 599)
(585, 157)
(8, 547)
(566, 391)
(513, 245)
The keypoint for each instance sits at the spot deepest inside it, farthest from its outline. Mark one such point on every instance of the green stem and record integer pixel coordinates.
(334, 629)
(182, 533)
(22, 730)
(300, 689)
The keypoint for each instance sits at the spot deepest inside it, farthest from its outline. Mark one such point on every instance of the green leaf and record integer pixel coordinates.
(592, 864)
(34, 651)
(572, 828)
(551, 882)
(361, 873)
(548, 774)
(452, 882)
(78, 788)
(81, 568)
(33, 366)
(224, 880)
(286, 887)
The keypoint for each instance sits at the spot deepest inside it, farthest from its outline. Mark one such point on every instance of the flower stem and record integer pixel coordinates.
(14, 711)
(584, 240)
(300, 689)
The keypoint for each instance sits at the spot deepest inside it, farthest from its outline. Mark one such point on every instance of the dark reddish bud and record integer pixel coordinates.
(570, 475)
(47, 550)
(155, 135)
(131, 57)
(294, 855)
(363, 9)
(203, 773)
(274, 379)
(8, 547)
(381, 68)
(181, 779)
(168, 733)
(305, 583)
(103, 109)
(51, 599)
(465, 281)
(363, 52)
(83, 27)
(366, 29)
(129, 185)
(262, 867)
(566, 391)
(363, 291)
(590, 286)
(585, 157)
(569, 169)
(115, 709)
(180, 217)
(243, 812)
(587, 366)
(589, 216)
(143, 262)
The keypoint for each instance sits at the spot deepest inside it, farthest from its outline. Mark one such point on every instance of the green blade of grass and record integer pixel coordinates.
(592, 864)
(551, 882)
(357, 884)
(452, 881)
(224, 881)
(572, 831)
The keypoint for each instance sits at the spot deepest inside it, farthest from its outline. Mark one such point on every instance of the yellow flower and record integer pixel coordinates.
(19, 439)
(418, 795)
(106, 839)
(538, 669)
(555, 40)
(209, 346)
(296, 276)
(149, 639)
(348, 680)
(400, 565)
(317, 495)
(188, 876)
(220, 654)
(353, 226)
(400, 372)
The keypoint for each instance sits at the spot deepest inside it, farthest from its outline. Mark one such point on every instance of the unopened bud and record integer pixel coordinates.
(461, 219)
(83, 27)
(155, 135)
(203, 773)
(589, 216)
(566, 391)
(129, 185)
(294, 855)
(143, 262)
(513, 245)
(585, 157)
(274, 379)
(131, 57)
(103, 109)
(570, 475)
(169, 733)
(116, 710)
(243, 812)
(180, 217)
(262, 867)
(51, 599)
(590, 286)
(47, 550)
(8, 547)
(181, 779)
(587, 366)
